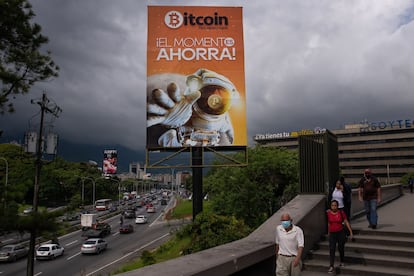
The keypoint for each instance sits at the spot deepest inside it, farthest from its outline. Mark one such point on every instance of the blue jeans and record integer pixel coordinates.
(371, 211)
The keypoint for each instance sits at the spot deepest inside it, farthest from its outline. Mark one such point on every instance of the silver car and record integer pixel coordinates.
(12, 252)
(93, 246)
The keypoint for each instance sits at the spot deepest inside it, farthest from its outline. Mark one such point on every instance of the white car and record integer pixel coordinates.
(141, 219)
(151, 210)
(28, 210)
(93, 246)
(49, 251)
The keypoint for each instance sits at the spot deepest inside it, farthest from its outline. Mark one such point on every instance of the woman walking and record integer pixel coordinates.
(336, 221)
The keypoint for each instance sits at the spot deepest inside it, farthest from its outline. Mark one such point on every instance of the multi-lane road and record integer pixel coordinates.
(121, 248)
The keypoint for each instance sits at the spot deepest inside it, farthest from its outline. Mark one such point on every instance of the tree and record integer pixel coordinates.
(255, 192)
(210, 230)
(21, 62)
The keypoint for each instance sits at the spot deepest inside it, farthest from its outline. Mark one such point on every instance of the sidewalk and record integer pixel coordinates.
(396, 216)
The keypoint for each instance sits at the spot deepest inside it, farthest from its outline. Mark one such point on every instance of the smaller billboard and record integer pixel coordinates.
(110, 161)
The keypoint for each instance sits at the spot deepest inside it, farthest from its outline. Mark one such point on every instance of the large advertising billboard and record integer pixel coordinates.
(110, 161)
(195, 77)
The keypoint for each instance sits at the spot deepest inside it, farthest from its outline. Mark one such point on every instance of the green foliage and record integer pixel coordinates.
(188, 183)
(255, 192)
(147, 258)
(21, 63)
(404, 178)
(184, 209)
(210, 230)
(60, 184)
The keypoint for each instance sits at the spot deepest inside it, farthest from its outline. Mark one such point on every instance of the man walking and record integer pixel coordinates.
(289, 247)
(370, 193)
(411, 184)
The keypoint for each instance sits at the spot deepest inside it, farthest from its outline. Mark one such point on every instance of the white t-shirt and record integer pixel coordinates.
(339, 196)
(290, 241)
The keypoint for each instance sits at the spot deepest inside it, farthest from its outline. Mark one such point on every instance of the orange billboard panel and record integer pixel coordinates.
(195, 77)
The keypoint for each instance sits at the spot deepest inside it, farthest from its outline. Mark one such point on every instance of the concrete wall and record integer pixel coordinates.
(388, 193)
(255, 254)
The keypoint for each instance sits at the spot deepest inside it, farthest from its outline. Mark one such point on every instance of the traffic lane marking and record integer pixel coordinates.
(73, 256)
(130, 253)
(70, 243)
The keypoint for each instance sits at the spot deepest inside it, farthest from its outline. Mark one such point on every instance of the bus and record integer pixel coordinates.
(103, 204)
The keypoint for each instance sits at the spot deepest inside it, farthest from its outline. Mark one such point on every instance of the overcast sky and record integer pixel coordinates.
(314, 63)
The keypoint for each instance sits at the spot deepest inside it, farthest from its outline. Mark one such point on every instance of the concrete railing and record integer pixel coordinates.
(255, 254)
(388, 193)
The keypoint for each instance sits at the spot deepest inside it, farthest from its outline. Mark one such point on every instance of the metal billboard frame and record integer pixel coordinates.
(153, 163)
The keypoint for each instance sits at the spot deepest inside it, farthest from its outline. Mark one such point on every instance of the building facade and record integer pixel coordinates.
(386, 147)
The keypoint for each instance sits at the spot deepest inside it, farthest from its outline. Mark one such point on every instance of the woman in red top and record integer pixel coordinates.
(336, 233)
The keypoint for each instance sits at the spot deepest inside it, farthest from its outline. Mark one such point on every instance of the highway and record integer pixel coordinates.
(121, 248)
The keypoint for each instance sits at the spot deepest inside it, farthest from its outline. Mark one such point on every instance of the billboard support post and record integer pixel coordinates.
(196, 95)
(197, 161)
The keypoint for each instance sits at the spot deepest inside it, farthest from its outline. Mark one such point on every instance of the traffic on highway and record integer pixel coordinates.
(101, 245)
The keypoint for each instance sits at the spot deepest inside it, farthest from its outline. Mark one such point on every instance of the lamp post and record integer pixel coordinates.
(172, 180)
(83, 188)
(7, 177)
(172, 175)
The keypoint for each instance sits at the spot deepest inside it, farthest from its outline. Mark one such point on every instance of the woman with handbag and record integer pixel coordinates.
(336, 221)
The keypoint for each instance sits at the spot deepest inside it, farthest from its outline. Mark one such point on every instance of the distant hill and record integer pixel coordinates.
(83, 153)
(74, 152)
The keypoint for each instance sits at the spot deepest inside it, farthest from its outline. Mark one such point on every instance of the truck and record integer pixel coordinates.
(98, 230)
(88, 221)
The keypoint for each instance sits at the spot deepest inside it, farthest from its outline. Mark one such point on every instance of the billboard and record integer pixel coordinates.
(195, 77)
(110, 161)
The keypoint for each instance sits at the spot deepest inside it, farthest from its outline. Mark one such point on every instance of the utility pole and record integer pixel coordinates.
(45, 107)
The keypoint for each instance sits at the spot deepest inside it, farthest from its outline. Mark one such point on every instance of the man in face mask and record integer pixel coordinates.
(289, 247)
(370, 193)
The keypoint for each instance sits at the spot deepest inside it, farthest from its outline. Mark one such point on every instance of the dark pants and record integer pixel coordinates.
(411, 187)
(336, 238)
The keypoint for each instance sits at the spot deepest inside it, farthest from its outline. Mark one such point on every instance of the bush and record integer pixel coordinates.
(147, 258)
(210, 230)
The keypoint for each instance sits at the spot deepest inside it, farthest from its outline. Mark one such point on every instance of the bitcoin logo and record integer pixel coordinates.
(214, 100)
(173, 19)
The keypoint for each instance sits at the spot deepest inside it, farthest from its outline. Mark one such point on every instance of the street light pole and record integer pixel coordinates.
(5, 185)
(83, 188)
(83, 191)
(172, 180)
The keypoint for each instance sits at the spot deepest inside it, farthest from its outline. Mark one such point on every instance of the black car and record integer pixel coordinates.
(99, 231)
(126, 228)
(129, 213)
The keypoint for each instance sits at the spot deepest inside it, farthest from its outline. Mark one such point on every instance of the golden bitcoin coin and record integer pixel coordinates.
(214, 100)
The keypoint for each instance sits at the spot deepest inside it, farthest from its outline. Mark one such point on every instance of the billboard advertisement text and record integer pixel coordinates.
(195, 77)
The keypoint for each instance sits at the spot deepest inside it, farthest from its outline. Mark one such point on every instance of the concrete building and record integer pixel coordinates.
(386, 147)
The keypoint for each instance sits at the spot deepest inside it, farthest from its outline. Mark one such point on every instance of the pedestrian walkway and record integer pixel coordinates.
(386, 250)
(396, 216)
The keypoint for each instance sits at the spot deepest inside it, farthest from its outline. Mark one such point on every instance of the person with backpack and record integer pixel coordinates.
(337, 220)
(347, 197)
(342, 192)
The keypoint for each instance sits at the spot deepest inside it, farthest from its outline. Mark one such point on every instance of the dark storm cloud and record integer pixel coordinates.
(309, 64)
